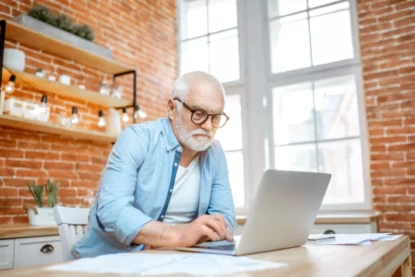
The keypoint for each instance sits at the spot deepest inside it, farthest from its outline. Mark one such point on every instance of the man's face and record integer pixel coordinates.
(204, 97)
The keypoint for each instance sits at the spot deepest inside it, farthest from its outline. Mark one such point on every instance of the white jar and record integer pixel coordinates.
(14, 59)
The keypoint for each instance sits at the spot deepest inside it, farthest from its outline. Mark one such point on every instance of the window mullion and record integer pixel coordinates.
(309, 35)
(315, 126)
(208, 34)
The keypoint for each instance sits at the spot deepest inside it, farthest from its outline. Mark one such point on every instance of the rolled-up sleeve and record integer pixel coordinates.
(115, 210)
(221, 201)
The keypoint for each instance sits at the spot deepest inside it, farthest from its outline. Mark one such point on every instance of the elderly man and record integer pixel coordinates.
(166, 182)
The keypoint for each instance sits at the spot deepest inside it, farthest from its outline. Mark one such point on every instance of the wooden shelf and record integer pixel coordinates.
(64, 90)
(46, 127)
(17, 32)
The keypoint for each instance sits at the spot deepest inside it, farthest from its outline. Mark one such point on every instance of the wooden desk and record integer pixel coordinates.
(383, 258)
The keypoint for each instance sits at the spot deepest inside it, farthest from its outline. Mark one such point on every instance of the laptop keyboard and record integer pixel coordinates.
(228, 247)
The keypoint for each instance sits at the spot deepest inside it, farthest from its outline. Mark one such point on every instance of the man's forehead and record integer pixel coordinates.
(209, 103)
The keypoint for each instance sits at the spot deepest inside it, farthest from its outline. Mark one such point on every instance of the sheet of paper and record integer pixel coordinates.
(153, 264)
(390, 237)
(350, 239)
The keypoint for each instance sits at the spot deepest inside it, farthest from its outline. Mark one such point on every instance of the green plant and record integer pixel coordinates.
(37, 192)
(52, 192)
(43, 13)
(83, 31)
(63, 22)
(51, 189)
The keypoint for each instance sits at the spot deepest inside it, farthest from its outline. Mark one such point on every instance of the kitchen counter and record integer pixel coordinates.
(12, 231)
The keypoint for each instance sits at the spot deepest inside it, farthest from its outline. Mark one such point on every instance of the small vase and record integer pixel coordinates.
(41, 217)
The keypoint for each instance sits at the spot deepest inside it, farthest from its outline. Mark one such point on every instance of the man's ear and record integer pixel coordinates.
(171, 108)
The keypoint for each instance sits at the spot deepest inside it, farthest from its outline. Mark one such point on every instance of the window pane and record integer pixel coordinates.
(224, 56)
(296, 157)
(194, 21)
(343, 159)
(230, 136)
(331, 37)
(315, 3)
(194, 55)
(222, 15)
(290, 47)
(284, 7)
(337, 113)
(235, 161)
(293, 114)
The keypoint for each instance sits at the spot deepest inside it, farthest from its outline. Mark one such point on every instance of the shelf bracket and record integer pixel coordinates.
(134, 88)
(2, 40)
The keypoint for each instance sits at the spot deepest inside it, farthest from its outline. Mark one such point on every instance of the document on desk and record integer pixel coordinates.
(160, 264)
(361, 239)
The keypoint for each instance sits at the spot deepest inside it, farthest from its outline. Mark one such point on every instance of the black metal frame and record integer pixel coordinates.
(3, 24)
(2, 40)
(134, 88)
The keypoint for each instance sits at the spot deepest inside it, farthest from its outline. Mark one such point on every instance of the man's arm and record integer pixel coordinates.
(221, 201)
(115, 210)
(158, 234)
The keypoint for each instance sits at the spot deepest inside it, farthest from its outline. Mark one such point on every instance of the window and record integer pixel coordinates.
(209, 41)
(209, 38)
(298, 102)
(315, 116)
(316, 128)
(230, 137)
(308, 33)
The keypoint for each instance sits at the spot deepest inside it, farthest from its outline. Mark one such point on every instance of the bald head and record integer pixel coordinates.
(197, 82)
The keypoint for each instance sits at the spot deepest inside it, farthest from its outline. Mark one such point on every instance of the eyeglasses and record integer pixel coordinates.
(199, 117)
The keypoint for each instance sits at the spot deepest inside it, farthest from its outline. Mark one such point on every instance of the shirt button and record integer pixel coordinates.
(162, 216)
(175, 164)
(171, 190)
(179, 149)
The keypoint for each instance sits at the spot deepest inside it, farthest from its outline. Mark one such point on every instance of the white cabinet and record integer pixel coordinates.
(37, 251)
(6, 253)
(21, 252)
(344, 228)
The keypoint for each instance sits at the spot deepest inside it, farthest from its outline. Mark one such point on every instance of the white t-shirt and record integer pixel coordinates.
(184, 202)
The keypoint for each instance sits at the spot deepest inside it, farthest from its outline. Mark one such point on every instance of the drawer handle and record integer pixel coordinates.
(327, 232)
(47, 248)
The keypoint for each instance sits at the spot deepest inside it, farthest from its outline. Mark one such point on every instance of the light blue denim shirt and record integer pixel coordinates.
(137, 183)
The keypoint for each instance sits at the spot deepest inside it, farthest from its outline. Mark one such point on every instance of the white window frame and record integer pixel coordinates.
(335, 69)
(255, 89)
(231, 88)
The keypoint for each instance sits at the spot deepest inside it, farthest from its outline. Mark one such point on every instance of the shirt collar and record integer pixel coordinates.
(171, 141)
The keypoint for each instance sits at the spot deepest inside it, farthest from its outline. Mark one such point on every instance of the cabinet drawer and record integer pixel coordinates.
(6, 253)
(37, 251)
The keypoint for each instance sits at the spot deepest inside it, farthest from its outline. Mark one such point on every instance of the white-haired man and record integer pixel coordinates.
(166, 182)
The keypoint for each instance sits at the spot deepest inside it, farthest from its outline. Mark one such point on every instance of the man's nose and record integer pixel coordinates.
(207, 125)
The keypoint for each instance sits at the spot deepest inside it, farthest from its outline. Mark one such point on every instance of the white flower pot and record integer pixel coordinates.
(41, 217)
(14, 59)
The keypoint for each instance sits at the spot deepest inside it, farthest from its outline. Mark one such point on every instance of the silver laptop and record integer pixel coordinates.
(284, 211)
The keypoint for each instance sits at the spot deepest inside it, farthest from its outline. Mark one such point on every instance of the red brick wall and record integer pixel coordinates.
(387, 39)
(141, 34)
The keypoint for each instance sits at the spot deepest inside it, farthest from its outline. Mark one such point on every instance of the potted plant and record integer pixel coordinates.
(40, 215)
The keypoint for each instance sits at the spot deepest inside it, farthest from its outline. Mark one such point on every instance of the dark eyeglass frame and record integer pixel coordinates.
(207, 117)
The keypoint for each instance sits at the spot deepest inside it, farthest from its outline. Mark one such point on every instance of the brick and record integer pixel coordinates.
(88, 167)
(20, 219)
(11, 153)
(62, 174)
(400, 181)
(59, 165)
(67, 192)
(75, 157)
(402, 147)
(20, 172)
(37, 155)
(395, 190)
(8, 192)
(24, 164)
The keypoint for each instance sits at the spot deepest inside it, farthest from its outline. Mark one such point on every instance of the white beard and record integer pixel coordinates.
(201, 143)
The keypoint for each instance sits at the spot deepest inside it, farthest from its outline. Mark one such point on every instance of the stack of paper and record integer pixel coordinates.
(157, 264)
(363, 239)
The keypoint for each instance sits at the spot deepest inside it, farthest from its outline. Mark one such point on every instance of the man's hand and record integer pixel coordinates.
(203, 228)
